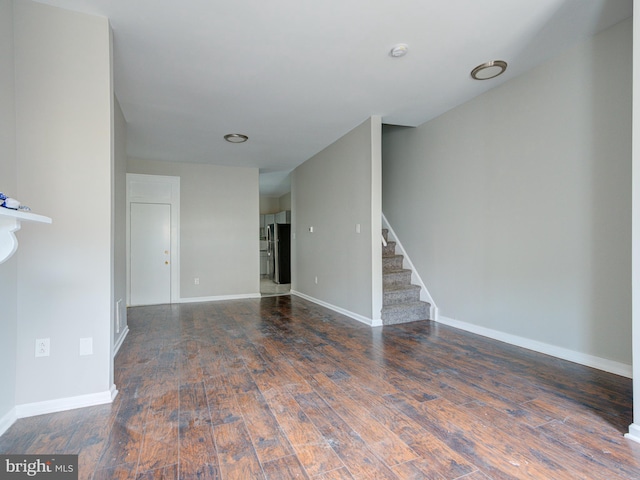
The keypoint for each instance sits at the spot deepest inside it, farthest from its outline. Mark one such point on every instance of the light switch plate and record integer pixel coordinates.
(86, 346)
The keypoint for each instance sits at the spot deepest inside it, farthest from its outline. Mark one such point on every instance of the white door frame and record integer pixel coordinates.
(156, 189)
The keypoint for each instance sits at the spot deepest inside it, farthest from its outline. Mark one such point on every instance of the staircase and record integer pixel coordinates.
(401, 301)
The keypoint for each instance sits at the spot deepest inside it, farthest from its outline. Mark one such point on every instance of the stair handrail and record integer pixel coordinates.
(384, 242)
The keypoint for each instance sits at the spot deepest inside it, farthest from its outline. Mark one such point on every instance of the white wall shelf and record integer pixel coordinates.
(10, 222)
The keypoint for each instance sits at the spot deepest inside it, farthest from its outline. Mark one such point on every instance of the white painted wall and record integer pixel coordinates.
(119, 223)
(64, 167)
(515, 207)
(8, 185)
(219, 213)
(332, 192)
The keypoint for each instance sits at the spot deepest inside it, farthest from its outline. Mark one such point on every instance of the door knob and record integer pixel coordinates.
(166, 263)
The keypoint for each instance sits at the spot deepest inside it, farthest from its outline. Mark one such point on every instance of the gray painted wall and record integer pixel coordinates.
(269, 204)
(64, 156)
(219, 213)
(516, 207)
(8, 184)
(332, 192)
(275, 204)
(284, 202)
(119, 218)
(634, 428)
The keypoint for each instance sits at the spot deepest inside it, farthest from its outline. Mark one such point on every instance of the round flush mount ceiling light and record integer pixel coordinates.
(489, 70)
(400, 50)
(236, 138)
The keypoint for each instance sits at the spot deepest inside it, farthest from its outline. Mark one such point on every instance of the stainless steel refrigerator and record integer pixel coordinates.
(279, 252)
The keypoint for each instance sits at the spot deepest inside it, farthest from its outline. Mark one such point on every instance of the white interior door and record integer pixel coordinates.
(150, 257)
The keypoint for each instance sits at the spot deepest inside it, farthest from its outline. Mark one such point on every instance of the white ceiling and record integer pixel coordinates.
(295, 75)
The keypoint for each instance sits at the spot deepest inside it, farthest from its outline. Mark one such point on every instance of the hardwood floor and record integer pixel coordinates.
(281, 388)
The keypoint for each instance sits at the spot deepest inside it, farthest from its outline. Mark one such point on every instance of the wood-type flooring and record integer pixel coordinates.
(281, 388)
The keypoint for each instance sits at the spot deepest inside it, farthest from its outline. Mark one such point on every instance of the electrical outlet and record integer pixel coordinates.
(196, 281)
(42, 347)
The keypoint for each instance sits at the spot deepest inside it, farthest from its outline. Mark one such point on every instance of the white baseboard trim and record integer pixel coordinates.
(355, 316)
(603, 364)
(113, 391)
(416, 279)
(634, 433)
(7, 420)
(63, 404)
(218, 298)
(120, 341)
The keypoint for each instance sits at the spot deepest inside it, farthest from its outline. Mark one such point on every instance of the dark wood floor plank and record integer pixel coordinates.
(170, 472)
(500, 453)
(418, 469)
(200, 471)
(197, 446)
(318, 458)
(55, 438)
(386, 444)
(338, 474)
(293, 421)
(194, 405)
(555, 407)
(441, 459)
(422, 377)
(233, 444)
(593, 388)
(268, 439)
(491, 394)
(359, 459)
(280, 387)
(125, 437)
(125, 471)
(605, 462)
(313, 451)
(477, 475)
(160, 440)
(284, 468)
(243, 469)
(541, 444)
(223, 407)
(22, 434)
(89, 441)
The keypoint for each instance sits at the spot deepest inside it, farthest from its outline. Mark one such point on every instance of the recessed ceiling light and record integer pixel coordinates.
(489, 70)
(399, 50)
(236, 138)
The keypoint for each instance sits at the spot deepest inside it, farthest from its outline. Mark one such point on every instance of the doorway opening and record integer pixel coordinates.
(153, 250)
(275, 253)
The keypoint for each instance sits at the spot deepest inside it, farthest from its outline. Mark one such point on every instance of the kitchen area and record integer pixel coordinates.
(275, 253)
